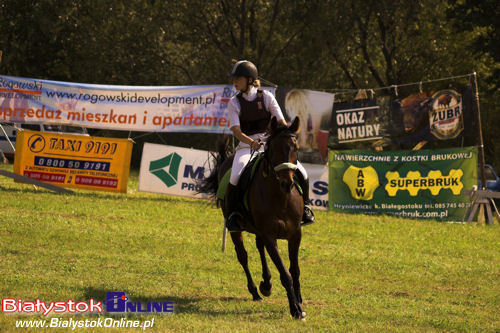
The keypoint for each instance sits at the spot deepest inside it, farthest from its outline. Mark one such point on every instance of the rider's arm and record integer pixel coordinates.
(273, 107)
(242, 137)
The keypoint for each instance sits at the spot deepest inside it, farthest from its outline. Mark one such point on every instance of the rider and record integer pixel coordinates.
(250, 112)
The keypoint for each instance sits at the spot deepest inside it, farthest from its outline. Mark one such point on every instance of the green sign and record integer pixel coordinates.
(414, 184)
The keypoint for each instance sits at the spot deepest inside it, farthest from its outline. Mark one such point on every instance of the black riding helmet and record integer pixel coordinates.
(244, 68)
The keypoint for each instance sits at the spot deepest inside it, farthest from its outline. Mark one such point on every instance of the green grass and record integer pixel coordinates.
(358, 273)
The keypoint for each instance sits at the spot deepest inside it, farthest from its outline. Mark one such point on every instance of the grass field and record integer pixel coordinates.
(358, 273)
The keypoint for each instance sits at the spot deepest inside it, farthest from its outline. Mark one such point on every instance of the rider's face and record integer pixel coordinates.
(240, 83)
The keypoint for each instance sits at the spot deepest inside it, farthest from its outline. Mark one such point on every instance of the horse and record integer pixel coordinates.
(275, 211)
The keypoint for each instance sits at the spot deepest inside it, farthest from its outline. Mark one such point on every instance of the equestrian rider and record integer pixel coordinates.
(250, 112)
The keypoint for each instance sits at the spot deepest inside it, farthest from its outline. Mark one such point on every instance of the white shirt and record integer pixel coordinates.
(270, 103)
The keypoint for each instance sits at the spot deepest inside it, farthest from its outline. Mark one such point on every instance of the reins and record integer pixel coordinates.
(253, 151)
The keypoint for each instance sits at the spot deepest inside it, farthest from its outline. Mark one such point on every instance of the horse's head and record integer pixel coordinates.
(282, 152)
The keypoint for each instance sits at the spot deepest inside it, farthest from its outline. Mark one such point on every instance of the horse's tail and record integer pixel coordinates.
(210, 184)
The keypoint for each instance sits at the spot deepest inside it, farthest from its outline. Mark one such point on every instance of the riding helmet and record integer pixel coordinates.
(244, 68)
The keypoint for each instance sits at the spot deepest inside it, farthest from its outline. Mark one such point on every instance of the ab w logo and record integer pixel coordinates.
(361, 181)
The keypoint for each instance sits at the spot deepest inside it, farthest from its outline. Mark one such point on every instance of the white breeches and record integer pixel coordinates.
(242, 157)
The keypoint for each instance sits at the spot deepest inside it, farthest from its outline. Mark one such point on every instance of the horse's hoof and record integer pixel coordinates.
(301, 317)
(257, 298)
(263, 290)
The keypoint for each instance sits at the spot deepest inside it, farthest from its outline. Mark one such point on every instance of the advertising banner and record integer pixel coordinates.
(131, 108)
(172, 170)
(318, 185)
(175, 171)
(431, 120)
(357, 121)
(415, 184)
(78, 161)
(314, 109)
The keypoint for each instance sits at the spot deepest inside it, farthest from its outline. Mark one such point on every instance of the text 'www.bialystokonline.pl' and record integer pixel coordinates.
(85, 323)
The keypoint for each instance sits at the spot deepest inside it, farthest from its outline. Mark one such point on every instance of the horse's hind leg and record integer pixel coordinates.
(265, 286)
(242, 255)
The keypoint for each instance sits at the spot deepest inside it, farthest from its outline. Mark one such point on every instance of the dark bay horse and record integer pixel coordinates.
(276, 208)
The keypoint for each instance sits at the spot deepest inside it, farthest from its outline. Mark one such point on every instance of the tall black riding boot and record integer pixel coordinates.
(233, 222)
(308, 215)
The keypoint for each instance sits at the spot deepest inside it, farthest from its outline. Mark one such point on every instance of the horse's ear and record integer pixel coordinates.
(295, 126)
(274, 124)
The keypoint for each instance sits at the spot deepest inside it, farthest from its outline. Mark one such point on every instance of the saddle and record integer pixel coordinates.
(245, 180)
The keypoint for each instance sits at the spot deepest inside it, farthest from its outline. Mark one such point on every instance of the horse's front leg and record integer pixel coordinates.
(286, 279)
(265, 286)
(242, 255)
(293, 254)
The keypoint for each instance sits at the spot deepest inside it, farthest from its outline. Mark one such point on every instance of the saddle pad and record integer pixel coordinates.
(221, 191)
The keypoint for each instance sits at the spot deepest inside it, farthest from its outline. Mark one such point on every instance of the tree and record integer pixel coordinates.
(381, 43)
(483, 19)
(312, 44)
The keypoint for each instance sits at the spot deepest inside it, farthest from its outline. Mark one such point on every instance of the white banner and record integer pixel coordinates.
(174, 171)
(318, 185)
(130, 108)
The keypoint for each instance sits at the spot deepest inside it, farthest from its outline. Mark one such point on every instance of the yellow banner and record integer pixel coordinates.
(78, 161)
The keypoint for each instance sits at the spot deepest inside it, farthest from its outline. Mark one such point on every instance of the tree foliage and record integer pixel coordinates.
(311, 44)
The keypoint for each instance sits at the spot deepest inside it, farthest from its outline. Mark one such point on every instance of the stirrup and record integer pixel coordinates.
(232, 224)
(307, 216)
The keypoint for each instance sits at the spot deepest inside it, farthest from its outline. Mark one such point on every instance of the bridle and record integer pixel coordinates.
(282, 166)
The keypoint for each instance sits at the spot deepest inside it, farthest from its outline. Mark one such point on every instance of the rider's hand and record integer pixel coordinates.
(255, 145)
